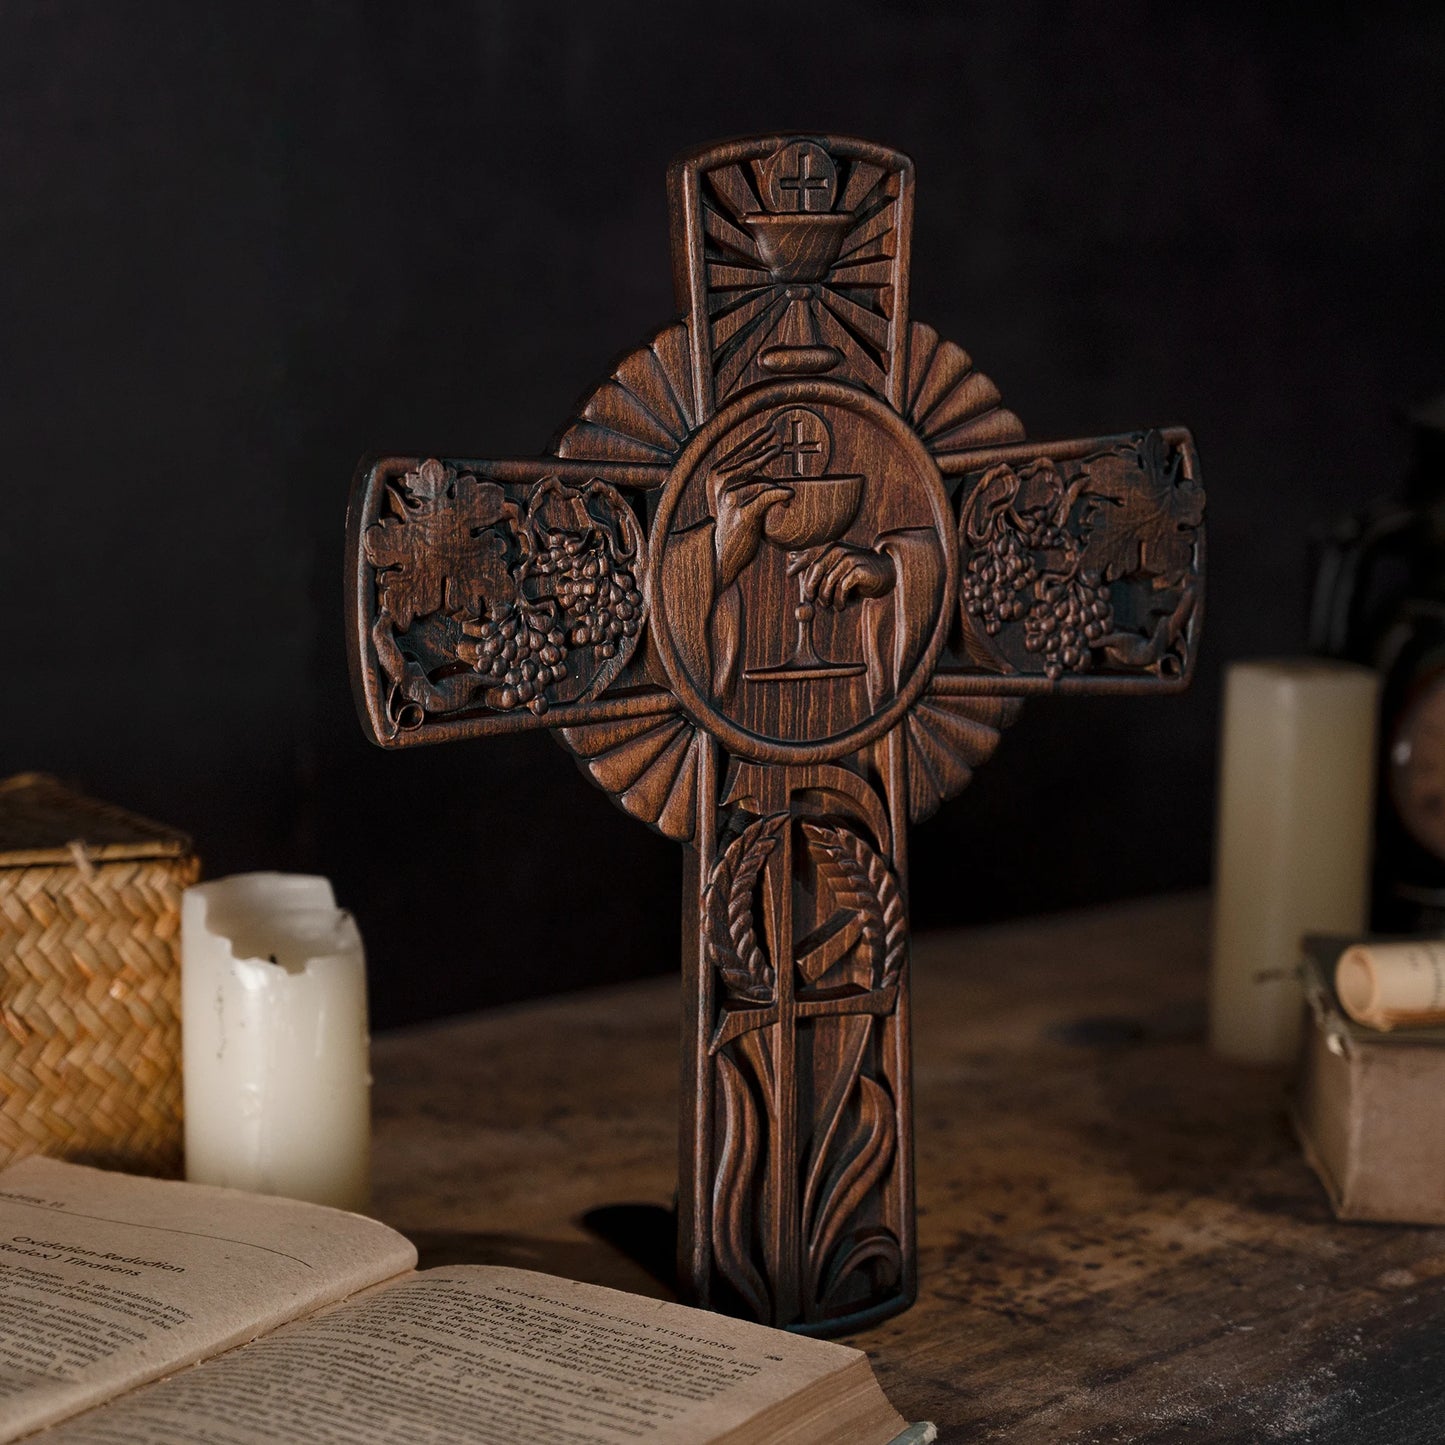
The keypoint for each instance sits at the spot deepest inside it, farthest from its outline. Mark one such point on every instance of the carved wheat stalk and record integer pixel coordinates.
(860, 880)
(733, 946)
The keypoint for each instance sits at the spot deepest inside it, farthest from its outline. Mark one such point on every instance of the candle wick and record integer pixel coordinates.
(273, 958)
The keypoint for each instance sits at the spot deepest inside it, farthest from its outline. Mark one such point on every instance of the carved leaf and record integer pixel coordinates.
(431, 554)
(734, 948)
(733, 1190)
(855, 1033)
(1143, 514)
(861, 1164)
(871, 1244)
(862, 882)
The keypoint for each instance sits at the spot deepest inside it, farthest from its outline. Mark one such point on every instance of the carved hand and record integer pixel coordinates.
(740, 513)
(740, 505)
(840, 570)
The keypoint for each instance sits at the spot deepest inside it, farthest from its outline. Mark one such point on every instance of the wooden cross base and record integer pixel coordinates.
(778, 587)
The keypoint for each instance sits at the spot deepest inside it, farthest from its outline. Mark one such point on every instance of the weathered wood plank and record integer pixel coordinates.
(1118, 1239)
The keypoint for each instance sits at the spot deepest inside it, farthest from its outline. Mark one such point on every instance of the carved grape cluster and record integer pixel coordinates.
(572, 586)
(1058, 549)
(1028, 567)
(1069, 617)
(522, 653)
(997, 577)
(600, 601)
(589, 601)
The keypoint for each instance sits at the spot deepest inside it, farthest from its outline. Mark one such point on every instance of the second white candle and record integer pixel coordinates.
(1296, 798)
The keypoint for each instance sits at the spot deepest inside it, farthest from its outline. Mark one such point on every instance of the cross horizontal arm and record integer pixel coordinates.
(636, 476)
(496, 596)
(1082, 566)
(977, 460)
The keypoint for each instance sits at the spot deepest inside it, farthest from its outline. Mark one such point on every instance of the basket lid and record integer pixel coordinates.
(43, 821)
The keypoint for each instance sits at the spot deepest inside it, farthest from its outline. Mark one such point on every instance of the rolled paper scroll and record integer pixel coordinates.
(1393, 985)
(274, 1037)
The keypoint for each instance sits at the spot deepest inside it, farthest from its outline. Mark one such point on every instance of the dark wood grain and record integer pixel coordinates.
(779, 588)
(1119, 1243)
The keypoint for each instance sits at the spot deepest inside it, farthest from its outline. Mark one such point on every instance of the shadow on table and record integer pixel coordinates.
(1146, 1096)
(632, 1248)
(646, 1234)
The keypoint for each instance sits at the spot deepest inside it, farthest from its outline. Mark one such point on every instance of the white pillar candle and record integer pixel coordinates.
(274, 1038)
(1296, 799)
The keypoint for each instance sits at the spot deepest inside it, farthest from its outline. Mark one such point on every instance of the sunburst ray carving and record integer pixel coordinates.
(644, 413)
(947, 738)
(762, 320)
(950, 405)
(649, 764)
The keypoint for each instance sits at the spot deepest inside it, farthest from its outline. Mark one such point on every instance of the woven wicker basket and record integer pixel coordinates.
(90, 1030)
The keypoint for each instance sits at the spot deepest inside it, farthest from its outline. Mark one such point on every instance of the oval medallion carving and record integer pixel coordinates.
(803, 576)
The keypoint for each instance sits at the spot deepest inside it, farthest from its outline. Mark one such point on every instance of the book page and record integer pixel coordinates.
(107, 1280)
(490, 1356)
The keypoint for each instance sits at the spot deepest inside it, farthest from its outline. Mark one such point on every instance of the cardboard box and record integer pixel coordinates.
(1369, 1107)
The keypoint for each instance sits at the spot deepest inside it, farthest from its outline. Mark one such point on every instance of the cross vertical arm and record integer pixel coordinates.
(783, 583)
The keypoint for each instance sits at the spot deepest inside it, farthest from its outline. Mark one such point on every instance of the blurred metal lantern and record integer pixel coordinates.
(1379, 599)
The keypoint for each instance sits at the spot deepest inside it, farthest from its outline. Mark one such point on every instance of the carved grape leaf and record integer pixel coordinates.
(1142, 514)
(437, 551)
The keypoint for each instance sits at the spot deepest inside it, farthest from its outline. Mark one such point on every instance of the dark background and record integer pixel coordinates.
(243, 244)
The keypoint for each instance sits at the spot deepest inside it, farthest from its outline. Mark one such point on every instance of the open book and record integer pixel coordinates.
(306, 1324)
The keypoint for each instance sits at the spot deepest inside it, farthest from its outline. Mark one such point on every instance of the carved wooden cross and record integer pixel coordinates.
(778, 587)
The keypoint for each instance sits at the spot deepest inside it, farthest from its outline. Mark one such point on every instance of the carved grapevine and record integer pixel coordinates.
(491, 601)
(1083, 564)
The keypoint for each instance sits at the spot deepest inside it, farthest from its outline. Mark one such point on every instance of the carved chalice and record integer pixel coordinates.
(800, 246)
(820, 510)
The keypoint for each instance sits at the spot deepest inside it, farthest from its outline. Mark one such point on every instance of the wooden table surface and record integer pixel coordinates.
(1118, 1238)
